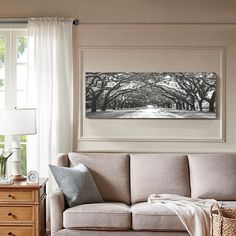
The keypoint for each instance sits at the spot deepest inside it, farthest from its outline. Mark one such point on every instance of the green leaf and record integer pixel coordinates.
(22, 43)
(2, 49)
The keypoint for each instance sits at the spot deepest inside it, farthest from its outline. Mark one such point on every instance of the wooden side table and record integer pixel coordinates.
(23, 209)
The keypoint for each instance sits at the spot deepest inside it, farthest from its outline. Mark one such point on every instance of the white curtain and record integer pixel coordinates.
(50, 91)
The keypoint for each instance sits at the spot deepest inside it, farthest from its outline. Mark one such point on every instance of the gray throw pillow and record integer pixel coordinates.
(76, 184)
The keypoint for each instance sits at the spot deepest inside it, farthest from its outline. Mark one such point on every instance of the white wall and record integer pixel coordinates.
(90, 34)
(158, 47)
(125, 11)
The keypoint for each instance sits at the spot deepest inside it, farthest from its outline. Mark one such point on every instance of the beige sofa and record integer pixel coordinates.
(125, 182)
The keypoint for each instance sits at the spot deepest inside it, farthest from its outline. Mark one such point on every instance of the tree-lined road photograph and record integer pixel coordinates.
(175, 95)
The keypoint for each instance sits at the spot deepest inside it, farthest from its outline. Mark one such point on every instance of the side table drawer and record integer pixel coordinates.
(16, 231)
(7, 195)
(16, 214)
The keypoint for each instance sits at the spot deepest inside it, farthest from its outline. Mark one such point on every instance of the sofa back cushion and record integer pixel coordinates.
(110, 172)
(158, 173)
(213, 176)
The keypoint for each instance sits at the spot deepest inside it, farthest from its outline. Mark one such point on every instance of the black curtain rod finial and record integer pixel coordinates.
(76, 21)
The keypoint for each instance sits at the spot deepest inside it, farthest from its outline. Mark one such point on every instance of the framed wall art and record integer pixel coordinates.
(150, 95)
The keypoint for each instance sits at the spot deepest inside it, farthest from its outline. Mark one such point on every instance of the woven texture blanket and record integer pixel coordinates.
(193, 213)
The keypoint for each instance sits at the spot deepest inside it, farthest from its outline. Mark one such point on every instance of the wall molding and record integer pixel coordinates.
(132, 139)
(222, 127)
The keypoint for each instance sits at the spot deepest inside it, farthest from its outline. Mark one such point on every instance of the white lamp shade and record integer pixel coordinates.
(17, 121)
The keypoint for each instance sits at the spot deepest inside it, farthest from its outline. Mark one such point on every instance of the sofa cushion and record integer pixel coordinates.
(103, 216)
(213, 176)
(147, 216)
(110, 172)
(228, 204)
(158, 173)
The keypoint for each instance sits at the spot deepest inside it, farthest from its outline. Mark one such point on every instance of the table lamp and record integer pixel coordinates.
(16, 122)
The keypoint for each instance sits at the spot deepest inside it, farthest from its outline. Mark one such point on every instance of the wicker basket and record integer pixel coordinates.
(223, 221)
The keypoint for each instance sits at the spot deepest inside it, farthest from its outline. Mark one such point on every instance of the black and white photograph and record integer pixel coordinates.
(163, 95)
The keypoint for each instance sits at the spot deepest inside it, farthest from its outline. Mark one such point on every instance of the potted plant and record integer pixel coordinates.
(3, 162)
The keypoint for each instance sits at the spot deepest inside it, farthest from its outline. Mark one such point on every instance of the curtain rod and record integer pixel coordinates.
(25, 21)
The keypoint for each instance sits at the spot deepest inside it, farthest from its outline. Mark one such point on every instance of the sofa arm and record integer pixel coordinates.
(57, 207)
(62, 160)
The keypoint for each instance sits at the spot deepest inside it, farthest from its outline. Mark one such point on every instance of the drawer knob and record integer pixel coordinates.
(10, 196)
(10, 234)
(10, 214)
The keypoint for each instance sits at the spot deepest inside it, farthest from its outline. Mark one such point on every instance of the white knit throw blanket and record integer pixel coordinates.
(193, 213)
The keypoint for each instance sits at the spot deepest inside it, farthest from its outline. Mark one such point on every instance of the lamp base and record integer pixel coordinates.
(18, 177)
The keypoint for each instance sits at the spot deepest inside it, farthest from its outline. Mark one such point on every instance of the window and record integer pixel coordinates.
(13, 77)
